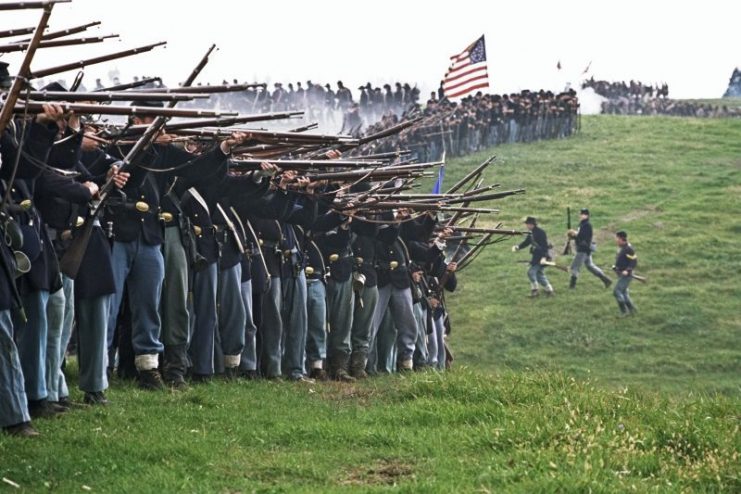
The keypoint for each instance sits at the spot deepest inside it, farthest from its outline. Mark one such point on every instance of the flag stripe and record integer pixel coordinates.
(469, 80)
(467, 71)
(468, 90)
(470, 71)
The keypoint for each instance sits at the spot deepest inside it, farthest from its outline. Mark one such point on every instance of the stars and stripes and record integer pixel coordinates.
(467, 72)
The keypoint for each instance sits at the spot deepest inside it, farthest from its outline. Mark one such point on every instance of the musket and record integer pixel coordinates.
(111, 96)
(129, 85)
(487, 197)
(212, 89)
(30, 5)
(95, 60)
(68, 31)
(359, 174)
(9, 48)
(301, 164)
(16, 32)
(221, 122)
(25, 69)
(310, 126)
(370, 138)
(70, 262)
(567, 247)
(473, 173)
(144, 111)
(494, 231)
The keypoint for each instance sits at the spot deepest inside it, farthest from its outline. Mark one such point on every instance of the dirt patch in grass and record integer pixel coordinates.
(384, 472)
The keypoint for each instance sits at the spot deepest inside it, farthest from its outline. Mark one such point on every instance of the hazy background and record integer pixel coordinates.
(692, 46)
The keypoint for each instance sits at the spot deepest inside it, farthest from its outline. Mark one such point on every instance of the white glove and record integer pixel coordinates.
(515, 248)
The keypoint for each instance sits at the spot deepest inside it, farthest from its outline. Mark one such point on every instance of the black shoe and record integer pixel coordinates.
(95, 398)
(607, 282)
(177, 383)
(342, 376)
(60, 405)
(151, 380)
(534, 293)
(43, 409)
(319, 375)
(24, 429)
(572, 282)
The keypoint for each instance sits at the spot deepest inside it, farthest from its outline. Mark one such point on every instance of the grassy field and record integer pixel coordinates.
(548, 395)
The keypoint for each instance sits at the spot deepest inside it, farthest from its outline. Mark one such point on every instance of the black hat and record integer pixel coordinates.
(622, 234)
(531, 221)
(5, 80)
(54, 86)
(584, 211)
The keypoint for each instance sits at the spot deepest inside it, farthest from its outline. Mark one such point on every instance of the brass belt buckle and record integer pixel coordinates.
(333, 257)
(142, 206)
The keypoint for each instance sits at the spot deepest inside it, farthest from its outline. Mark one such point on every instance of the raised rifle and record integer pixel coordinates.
(89, 109)
(95, 60)
(9, 48)
(301, 164)
(30, 5)
(129, 85)
(228, 88)
(221, 122)
(567, 247)
(16, 32)
(100, 96)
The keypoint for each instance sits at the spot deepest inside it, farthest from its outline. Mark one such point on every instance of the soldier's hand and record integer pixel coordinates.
(333, 154)
(52, 113)
(625, 273)
(452, 267)
(119, 178)
(92, 187)
(235, 139)
(268, 169)
(515, 248)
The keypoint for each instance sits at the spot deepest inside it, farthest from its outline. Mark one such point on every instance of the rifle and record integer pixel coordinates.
(30, 5)
(487, 197)
(212, 89)
(67, 32)
(82, 108)
(101, 96)
(301, 164)
(23, 73)
(16, 32)
(473, 173)
(567, 247)
(129, 85)
(95, 60)
(9, 48)
(494, 231)
(70, 262)
(221, 122)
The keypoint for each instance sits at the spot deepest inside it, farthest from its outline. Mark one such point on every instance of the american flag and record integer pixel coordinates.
(467, 72)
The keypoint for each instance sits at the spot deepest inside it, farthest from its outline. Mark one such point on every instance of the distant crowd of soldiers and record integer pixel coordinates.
(621, 89)
(481, 121)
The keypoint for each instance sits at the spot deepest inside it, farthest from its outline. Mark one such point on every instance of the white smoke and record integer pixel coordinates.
(590, 102)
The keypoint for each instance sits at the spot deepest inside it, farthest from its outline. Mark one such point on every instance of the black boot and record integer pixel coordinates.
(339, 367)
(358, 360)
(607, 281)
(572, 282)
(631, 308)
(151, 380)
(623, 309)
(174, 366)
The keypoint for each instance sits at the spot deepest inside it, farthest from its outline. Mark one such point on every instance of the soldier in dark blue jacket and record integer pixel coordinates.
(625, 262)
(538, 242)
(583, 242)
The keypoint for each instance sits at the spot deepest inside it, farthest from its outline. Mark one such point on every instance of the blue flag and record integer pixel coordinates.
(438, 187)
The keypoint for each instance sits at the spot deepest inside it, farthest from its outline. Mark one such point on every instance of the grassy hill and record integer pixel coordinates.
(674, 185)
(549, 395)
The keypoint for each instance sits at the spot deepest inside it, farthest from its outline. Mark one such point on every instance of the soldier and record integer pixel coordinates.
(583, 240)
(538, 242)
(625, 263)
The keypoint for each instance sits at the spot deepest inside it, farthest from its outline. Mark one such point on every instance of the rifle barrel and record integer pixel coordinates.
(302, 164)
(129, 85)
(30, 5)
(81, 108)
(95, 60)
(213, 89)
(111, 96)
(221, 122)
(9, 48)
(8, 33)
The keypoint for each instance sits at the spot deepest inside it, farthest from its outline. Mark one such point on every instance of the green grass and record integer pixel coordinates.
(551, 395)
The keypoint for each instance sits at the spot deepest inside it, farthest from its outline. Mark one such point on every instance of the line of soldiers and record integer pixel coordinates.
(621, 89)
(663, 106)
(481, 121)
(542, 256)
(195, 269)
